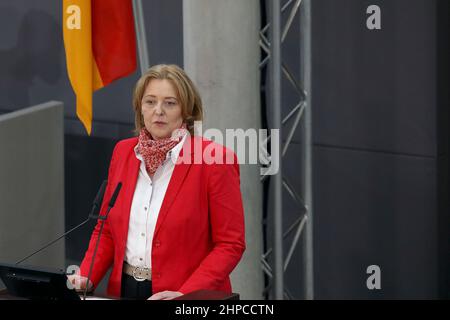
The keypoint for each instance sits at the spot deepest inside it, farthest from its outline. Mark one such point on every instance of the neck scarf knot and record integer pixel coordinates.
(154, 152)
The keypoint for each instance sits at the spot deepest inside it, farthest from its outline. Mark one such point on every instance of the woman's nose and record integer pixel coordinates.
(158, 108)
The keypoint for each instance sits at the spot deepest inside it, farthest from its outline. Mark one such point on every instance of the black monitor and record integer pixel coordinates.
(36, 283)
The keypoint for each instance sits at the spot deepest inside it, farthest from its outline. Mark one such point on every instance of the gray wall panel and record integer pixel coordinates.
(375, 208)
(32, 184)
(376, 90)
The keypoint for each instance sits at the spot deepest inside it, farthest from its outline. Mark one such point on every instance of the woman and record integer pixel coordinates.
(177, 225)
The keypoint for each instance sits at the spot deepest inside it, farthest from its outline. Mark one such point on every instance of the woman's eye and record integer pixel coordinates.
(171, 103)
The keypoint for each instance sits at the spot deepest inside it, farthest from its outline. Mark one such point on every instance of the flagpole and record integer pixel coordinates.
(141, 37)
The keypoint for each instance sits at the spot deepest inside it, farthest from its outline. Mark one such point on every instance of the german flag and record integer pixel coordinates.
(100, 45)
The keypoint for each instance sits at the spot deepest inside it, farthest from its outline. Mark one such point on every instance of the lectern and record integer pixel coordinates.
(36, 283)
(26, 282)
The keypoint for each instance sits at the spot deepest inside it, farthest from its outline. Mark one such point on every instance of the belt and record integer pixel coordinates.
(138, 273)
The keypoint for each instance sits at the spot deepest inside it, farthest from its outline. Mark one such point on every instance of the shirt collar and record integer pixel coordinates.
(173, 153)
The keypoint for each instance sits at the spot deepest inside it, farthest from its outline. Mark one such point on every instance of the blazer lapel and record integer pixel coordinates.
(129, 185)
(176, 181)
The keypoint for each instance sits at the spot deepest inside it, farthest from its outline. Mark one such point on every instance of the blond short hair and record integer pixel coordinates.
(187, 94)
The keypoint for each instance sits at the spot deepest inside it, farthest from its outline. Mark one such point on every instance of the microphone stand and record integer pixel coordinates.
(103, 219)
(95, 207)
(52, 242)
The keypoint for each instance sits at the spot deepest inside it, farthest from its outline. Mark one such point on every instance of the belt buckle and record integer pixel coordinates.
(137, 278)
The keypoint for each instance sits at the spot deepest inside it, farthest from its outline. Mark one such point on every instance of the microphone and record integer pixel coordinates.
(94, 211)
(98, 200)
(111, 204)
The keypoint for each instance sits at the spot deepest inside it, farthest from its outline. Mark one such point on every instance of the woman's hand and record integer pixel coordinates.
(79, 283)
(165, 295)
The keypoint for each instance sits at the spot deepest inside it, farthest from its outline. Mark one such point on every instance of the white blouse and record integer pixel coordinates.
(147, 200)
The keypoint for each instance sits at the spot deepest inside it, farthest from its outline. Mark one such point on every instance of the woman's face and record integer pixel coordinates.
(161, 109)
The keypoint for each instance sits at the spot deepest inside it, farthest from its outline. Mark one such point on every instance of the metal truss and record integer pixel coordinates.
(277, 257)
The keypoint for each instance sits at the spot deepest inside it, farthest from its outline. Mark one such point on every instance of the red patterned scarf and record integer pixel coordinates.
(154, 151)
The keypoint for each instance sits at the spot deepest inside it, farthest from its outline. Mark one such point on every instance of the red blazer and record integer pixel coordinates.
(199, 235)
